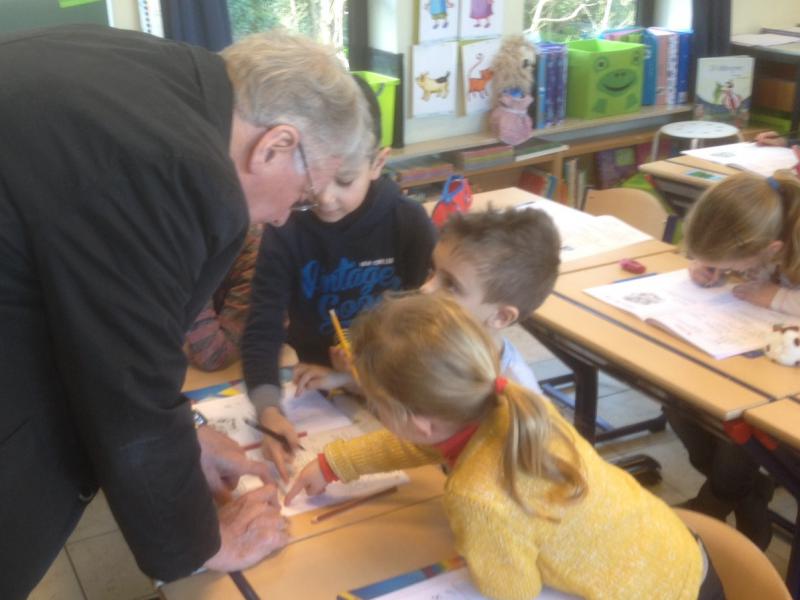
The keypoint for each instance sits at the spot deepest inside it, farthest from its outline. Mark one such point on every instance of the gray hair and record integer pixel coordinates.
(282, 78)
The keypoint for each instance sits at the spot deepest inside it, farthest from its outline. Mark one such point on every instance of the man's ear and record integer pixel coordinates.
(275, 142)
(504, 316)
(378, 163)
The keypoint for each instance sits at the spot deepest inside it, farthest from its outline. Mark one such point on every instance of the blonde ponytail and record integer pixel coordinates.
(529, 448)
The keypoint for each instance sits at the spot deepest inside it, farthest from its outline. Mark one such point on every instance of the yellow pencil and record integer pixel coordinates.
(340, 335)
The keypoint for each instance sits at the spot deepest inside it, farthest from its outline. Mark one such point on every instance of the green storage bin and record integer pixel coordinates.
(385, 88)
(604, 78)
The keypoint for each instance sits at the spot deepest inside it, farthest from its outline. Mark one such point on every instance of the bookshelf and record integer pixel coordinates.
(582, 136)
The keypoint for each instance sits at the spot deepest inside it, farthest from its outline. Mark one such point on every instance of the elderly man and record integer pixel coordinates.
(130, 168)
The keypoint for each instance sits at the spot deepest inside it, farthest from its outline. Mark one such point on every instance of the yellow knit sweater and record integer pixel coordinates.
(618, 542)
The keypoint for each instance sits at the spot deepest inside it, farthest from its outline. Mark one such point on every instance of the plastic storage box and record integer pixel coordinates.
(385, 88)
(605, 78)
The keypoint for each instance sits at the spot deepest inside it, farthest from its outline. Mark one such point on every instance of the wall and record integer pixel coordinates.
(749, 16)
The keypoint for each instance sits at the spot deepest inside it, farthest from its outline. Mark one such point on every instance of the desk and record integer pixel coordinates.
(589, 335)
(510, 197)
(319, 567)
(674, 179)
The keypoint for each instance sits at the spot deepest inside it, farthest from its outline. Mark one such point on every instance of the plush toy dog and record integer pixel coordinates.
(783, 345)
(511, 90)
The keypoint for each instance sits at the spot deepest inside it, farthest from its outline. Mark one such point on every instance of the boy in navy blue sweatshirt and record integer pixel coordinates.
(361, 238)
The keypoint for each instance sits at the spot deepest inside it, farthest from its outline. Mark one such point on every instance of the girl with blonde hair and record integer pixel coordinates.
(747, 225)
(529, 501)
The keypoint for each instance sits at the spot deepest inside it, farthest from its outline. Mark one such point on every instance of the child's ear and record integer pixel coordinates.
(378, 163)
(774, 248)
(504, 316)
(422, 424)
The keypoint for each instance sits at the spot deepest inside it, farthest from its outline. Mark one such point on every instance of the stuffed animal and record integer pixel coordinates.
(512, 70)
(783, 345)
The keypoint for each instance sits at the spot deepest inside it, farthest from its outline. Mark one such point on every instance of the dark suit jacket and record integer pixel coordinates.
(120, 213)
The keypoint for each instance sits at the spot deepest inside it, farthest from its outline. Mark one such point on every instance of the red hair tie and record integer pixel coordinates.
(500, 384)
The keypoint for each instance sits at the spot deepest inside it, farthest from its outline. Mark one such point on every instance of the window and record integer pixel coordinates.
(323, 20)
(564, 20)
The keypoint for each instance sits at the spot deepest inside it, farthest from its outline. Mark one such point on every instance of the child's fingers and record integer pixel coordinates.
(296, 488)
(273, 450)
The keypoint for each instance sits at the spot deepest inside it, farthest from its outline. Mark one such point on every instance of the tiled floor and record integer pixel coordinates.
(96, 564)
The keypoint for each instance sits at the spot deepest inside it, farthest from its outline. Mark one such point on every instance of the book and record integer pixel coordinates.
(748, 156)
(711, 319)
(666, 65)
(536, 146)
(723, 89)
(539, 182)
(790, 31)
(447, 579)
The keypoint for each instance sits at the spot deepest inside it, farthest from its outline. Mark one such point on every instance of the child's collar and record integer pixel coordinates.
(452, 447)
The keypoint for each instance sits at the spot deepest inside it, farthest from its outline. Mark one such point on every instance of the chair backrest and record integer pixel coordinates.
(636, 207)
(745, 572)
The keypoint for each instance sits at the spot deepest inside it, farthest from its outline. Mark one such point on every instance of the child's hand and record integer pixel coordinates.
(770, 138)
(316, 377)
(310, 479)
(706, 276)
(339, 359)
(760, 293)
(273, 450)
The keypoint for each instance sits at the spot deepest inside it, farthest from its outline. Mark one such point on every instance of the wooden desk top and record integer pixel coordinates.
(722, 388)
(679, 167)
(319, 567)
(780, 419)
(510, 197)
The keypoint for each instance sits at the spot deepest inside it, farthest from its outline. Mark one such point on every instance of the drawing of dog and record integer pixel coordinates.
(439, 86)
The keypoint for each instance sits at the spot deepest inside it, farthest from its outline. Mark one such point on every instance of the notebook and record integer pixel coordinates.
(748, 156)
(711, 319)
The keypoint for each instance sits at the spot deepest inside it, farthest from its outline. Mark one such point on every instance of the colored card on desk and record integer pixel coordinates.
(448, 579)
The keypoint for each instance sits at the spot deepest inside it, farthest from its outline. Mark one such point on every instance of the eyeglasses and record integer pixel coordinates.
(309, 199)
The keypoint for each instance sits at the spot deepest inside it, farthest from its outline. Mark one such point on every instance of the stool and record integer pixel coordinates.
(695, 131)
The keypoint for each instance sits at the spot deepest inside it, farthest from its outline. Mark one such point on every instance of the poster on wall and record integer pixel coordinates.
(435, 85)
(476, 65)
(481, 18)
(438, 20)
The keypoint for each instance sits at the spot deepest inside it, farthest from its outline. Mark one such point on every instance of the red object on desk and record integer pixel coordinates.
(632, 266)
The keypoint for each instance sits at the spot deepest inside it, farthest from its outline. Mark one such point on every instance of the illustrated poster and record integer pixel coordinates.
(476, 63)
(438, 20)
(435, 79)
(481, 18)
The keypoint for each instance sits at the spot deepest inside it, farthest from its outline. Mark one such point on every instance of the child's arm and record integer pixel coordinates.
(262, 341)
(316, 377)
(502, 562)
(376, 452)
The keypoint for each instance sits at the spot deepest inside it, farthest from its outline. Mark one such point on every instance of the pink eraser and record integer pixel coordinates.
(632, 266)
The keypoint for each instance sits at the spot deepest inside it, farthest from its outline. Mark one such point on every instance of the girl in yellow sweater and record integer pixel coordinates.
(529, 501)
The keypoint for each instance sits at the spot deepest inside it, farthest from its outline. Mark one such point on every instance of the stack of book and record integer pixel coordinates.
(421, 169)
(551, 85)
(483, 157)
(666, 65)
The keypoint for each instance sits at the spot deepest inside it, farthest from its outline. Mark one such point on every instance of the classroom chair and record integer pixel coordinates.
(696, 132)
(636, 207)
(745, 572)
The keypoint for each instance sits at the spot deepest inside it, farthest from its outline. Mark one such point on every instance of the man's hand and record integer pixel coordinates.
(273, 450)
(760, 293)
(251, 528)
(223, 461)
(706, 276)
(316, 377)
(310, 479)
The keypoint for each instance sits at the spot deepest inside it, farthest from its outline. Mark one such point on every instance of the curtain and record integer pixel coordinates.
(711, 22)
(201, 22)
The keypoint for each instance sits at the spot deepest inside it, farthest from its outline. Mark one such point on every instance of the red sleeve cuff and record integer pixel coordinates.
(327, 472)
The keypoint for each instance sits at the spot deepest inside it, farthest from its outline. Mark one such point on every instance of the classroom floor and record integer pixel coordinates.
(96, 564)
